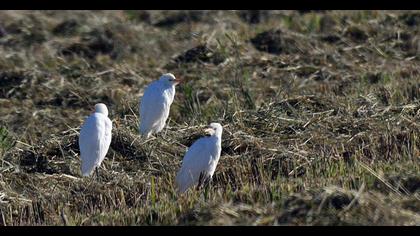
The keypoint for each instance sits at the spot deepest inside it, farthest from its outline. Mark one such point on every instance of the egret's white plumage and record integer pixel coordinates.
(94, 139)
(201, 159)
(156, 103)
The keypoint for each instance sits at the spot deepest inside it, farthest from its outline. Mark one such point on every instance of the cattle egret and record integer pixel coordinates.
(201, 159)
(156, 103)
(95, 138)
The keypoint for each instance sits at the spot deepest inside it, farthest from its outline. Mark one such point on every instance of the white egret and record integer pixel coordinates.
(156, 103)
(94, 139)
(201, 159)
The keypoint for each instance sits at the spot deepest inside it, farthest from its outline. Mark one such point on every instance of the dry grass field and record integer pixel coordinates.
(321, 116)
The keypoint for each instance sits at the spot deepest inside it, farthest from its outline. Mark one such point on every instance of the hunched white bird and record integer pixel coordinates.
(156, 103)
(201, 159)
(94, 139)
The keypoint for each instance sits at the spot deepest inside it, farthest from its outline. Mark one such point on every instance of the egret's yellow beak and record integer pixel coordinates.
(178, 81)
(209, 131)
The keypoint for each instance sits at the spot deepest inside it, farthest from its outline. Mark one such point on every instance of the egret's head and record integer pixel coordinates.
(101, 108)
(169, 79)
(214, 129)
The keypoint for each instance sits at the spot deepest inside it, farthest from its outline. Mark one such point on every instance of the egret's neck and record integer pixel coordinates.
(218, 134)
(102, 110)
(170, 89)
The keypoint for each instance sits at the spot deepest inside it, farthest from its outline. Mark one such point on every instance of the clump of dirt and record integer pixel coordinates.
(348, 157)
(356, 34)
(336, 199)
(128, 144)
(316, 205)
(304, 103)
(66, 98)
(374, 78)
(140, 16)
(411, 19)
(297, 207)
(275, 42)
(97, 42)
(410, 183)
(11, 84)
(78, 49)
(66, 28)
(26, 32)
(404, 183)
(50, 157)
(254, 16)
(200, 54)
(409, 44)
(331, 38)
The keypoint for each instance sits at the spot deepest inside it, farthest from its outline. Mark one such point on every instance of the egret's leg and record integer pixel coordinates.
(200, 181)
(206, 186)
(97, 174)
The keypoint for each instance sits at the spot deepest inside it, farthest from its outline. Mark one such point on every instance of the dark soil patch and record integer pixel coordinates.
(411, 19)
(11, 84)
(66, 28)
(200, 53)
(98, 42)
(311, 104)
(139, 16)
(374, 78)
(128, 145)
(78, 49)
(331, 38)
(409, 183)
(338, 200)
(356, 34)
(275, 42)
(296, 207)
(66, 98)
(254, 16)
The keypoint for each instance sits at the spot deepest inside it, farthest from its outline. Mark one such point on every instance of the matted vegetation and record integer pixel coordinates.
(320, 112)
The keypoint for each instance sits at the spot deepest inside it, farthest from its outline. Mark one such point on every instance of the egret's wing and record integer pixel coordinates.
(92, 142)
(152, 107)
(196, 161)
(105, 139)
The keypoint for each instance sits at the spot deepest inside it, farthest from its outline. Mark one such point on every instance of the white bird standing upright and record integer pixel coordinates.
(156, 103)
(94, 139)
(201, 159)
